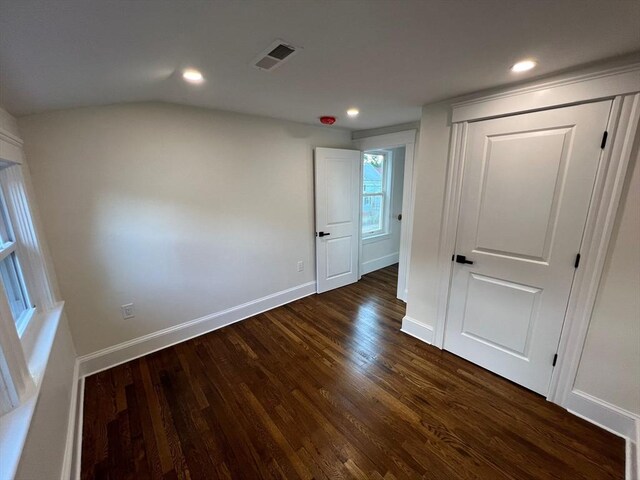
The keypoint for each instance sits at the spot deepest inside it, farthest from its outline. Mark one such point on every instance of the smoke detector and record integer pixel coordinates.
(275, 55)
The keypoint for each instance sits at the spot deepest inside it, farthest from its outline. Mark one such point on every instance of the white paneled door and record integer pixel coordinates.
(527, 183)
(337, 191)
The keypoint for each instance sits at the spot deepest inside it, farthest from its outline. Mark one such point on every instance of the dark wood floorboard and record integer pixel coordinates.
(327, 387)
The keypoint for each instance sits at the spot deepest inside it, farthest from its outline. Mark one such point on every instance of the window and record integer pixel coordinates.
(10, 271)
(24, 281)
(375, 193)
(29, 310)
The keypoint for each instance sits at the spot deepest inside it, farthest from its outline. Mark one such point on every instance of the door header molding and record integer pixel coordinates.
(567, 90)
(387, 140)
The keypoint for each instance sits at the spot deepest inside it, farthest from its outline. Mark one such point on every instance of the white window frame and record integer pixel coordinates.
(386, 194)
(21, 355)
(11, 248)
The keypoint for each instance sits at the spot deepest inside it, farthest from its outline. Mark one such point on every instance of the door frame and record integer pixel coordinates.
(619, 84)
(407, 139)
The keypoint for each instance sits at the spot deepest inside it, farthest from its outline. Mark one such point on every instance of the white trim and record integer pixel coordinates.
(138, 347)
(388, 178)
(29, 244)
(633, 461)
(417, 329)
(67, 461)
(578, 88)
(449, 227)
(599, 227)
(10, 142)
(388, 140)
(374, 132)
(632, 457)
(378, 263)
(407, 139)
(77, 447)
(603, 414)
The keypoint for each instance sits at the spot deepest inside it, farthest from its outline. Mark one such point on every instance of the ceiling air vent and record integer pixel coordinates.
(275, 55)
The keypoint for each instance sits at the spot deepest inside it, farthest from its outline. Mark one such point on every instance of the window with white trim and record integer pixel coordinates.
(376, 182)
(11, 276)
(26, 295)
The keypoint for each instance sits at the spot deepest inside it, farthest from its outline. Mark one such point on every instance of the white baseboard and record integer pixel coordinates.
(126, 351)
(138, 347)
(73, 447)
(632, 470)
(613, 419)
(69, 444)
(77, 444)
(378, 263)
(416, 329)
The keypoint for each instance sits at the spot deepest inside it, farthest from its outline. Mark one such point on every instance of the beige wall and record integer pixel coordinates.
(610, 362)
(430, 170)
(182, 211)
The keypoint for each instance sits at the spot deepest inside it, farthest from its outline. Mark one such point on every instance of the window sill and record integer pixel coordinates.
(375, 238)
(14, 425)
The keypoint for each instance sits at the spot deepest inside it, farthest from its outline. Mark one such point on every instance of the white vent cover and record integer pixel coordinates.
(275, 55)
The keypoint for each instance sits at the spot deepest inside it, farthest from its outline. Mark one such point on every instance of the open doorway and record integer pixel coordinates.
(364, 210)
(387, 204)
(381, 207)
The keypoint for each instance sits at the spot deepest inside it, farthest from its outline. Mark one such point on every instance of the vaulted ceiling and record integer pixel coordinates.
(386, 57)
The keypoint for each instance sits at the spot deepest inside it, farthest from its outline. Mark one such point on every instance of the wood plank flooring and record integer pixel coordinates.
(328, 387)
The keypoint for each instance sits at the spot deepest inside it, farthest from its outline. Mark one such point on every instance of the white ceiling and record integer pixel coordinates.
(387, 57)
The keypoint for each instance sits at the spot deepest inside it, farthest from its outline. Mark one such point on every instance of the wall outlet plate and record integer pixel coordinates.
(127, 311)
(300, 266)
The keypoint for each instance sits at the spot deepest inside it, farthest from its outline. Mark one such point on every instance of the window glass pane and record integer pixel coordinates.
(372, 173)
(371, 213)
(5, 237)
(13, 286)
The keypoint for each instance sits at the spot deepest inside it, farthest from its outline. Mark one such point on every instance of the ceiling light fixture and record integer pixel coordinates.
(353, 112)
(523, 66)
(192, 75)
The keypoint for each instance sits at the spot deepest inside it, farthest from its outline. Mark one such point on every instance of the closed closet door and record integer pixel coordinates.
(527, 184)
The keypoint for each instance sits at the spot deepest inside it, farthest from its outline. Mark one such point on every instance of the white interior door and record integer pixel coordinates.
(527, 183)
(337, 192)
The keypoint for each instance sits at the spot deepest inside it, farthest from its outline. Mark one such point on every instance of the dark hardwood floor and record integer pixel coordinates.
(328, 387)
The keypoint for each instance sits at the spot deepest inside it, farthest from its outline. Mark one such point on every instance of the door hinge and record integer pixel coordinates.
(577, 262)
(555, 359)
(604, 139)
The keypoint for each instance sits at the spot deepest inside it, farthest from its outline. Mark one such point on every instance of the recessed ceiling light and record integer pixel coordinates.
(353, 112)
(523, 66)
(192, 75)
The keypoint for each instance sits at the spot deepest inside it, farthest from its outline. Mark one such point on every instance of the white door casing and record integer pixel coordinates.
(527, 183)
(337, 202)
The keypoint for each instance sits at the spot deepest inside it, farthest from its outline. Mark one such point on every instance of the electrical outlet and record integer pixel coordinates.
(300, 266)
(127, 311)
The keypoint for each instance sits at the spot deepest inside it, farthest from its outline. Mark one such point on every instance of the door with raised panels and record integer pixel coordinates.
(337, 199)
(526, 187)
